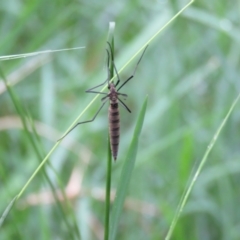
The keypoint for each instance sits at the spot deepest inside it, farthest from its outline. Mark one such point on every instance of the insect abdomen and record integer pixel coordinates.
(114, 127)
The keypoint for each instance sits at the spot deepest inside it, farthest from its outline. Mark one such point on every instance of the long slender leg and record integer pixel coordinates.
(118, 78)
(97, 92)
(90, 89)
(83, 122)
(102, 99)
(134, 69)
(124, 105)
(107, 80)
(125, 82)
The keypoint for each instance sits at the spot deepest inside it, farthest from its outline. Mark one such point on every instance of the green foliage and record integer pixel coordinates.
(190, 73)
(126, 174)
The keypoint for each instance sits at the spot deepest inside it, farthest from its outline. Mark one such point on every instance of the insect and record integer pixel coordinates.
(113, 96)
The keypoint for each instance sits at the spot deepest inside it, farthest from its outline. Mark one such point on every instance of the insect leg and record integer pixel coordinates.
(134, 70)
(90, 90)
(124, 105)
(118, 78)
(83, 122)
(102, 99)
(122, 94)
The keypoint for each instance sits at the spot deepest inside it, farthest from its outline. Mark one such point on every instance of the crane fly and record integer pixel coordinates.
(113, 97)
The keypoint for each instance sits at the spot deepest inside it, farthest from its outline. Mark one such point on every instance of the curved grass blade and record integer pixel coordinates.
(7, 210)
(126, 174)
(39, 153)
(203, 161)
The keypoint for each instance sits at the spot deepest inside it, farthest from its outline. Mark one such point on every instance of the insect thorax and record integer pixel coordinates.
(112, 92)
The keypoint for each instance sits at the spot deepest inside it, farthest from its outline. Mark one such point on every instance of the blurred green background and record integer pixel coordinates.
(190, 73)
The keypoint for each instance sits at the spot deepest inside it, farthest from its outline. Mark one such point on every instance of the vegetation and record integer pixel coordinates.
(190, 73)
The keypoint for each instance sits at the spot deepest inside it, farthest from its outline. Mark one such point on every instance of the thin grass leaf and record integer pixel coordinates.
(24, 55)
(203, 161)
(34, 140)
(108, 191)
(109, 159)
(126, 174)
(7, 210)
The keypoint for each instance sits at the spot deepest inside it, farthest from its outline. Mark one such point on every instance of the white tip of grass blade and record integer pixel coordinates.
(111, 25)
(16, 56)
(111, 30)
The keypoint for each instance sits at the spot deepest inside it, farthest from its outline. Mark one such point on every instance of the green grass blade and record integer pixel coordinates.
(31, 54)
(109, 160)
(7, 210)
(203, 161)
(37, 149)
(108, 192)
(126, 174)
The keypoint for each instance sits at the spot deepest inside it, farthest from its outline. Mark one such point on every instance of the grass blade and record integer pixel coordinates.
(109, 160)
(34, 140)
(203, 161)
(24, 55)
(7, 210)
(126, 174)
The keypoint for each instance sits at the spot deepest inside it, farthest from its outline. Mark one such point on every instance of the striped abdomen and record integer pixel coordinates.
(114, 126)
